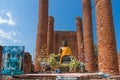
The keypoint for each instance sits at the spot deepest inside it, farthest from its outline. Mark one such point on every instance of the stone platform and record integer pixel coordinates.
(62, 76)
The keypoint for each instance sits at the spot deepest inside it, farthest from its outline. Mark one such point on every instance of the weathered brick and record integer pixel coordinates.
(27, 65)
(71, 38)
(107, 53)
(50, 35)
(88, 36)
(79, 31)
(119, 61)
(41, 41)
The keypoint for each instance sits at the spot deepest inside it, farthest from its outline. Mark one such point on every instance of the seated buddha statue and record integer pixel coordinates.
(64, 50)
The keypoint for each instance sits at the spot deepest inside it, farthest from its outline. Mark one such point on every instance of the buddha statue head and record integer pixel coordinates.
(64, 43)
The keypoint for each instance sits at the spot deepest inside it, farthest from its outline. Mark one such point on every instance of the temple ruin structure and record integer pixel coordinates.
(107, 53)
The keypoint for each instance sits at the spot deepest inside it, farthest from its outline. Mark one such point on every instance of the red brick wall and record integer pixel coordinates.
(79, 30)
(119, 62)
(107, 53)
(88, 35)
(41, 33)
(71, 38)
(50, 34)
(27, 63)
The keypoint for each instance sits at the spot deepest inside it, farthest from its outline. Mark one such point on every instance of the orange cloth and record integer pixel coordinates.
(65, 51)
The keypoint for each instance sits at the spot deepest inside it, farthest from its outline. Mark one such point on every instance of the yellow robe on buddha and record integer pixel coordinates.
(65, 51)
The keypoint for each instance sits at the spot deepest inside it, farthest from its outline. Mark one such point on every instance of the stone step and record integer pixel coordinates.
(66, 78)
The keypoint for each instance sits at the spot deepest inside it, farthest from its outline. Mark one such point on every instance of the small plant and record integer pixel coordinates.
(73, 64)
(81, 66)
(51, 61)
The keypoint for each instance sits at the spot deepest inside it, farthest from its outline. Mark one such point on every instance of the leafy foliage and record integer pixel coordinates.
(51, 61)
(73, 64)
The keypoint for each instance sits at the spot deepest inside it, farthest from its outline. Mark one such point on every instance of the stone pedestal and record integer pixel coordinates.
(41, 41)
(88, 36)
(50, 35)
(107, 53)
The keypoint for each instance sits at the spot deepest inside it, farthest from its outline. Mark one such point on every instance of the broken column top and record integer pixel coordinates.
(28, 54)
(51, 18)
(78, 18)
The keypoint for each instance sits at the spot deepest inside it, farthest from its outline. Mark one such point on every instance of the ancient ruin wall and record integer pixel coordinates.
(107, 53)
(41, 42)
(50, 35)
(27, 65)
(119, 62)
(70, 36)
(79, 31)
(88, 36)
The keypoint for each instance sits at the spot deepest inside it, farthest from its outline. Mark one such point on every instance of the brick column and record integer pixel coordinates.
(1, 48)
(107, 53)
(50, 34)
(27, 65)
(41, 42)
(79, 37)
(88, 36)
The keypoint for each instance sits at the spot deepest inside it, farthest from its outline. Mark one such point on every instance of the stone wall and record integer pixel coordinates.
(71, 38)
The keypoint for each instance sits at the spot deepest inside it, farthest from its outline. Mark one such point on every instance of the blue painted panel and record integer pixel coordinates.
(12, 60)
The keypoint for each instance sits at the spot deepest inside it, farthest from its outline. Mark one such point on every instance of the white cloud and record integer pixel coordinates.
(8, 36)
(8, 21)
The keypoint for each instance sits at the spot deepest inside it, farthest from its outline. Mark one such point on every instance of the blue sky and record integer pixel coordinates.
(19, 20)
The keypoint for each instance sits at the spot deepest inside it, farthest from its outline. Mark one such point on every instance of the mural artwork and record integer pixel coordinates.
(12, 60)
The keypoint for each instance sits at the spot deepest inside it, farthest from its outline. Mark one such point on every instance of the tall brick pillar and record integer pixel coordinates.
(50, 34)
(27, 63)
(88, 36)
(41, 42)
(107, 53)
(1, 48)
(79, 37)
